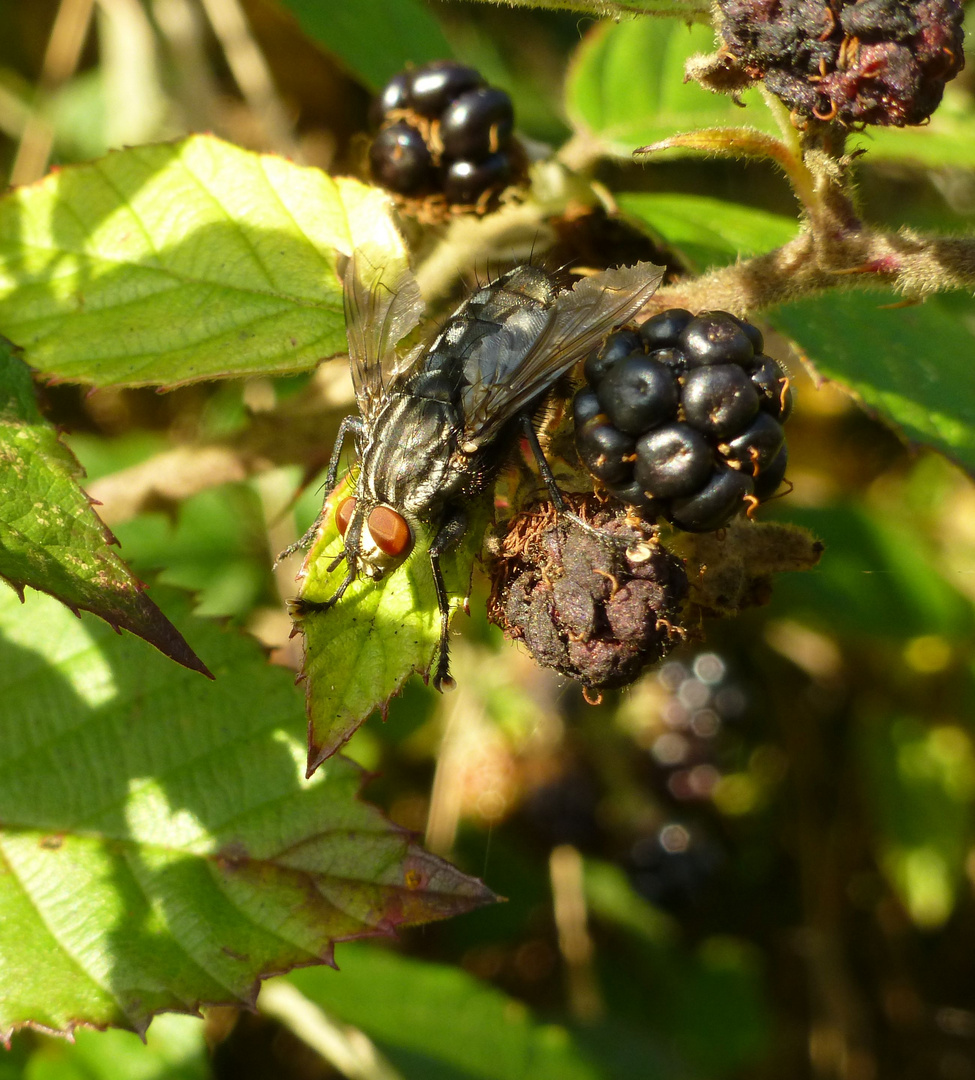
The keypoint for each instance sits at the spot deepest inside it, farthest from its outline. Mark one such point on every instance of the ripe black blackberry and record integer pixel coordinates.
(443, 131)
(856, 61)
(683, 419)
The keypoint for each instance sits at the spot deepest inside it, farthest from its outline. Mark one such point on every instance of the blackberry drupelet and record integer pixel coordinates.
(442, 130)
(683, 418)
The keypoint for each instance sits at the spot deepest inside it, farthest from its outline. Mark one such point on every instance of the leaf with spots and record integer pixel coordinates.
(50, 537)
(159, 847)
(162, 265)
(359, 653)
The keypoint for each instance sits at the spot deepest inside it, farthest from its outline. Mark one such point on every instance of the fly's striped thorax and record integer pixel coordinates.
(406, 460)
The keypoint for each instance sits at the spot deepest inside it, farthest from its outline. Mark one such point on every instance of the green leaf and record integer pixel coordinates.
(912, 365)
(161, 265)
(875, 578)
(375, 38)
(50, 538)
(159, 848)
(403, 1005)
(710, 232)
(360, 652)
(922, 793)
(626, 87)
(948, 139)
(174, 1049)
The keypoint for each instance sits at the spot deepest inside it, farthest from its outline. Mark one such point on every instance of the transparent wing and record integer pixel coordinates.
(584, 316)
(382, 305)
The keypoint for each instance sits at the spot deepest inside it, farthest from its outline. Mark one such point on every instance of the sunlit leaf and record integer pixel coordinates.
(359, 653)
(160, 265)
(626, 87)
(174, 1049)
(374, 38)
(159, 847)
(401, 1003)
(708, 231)
(912, 365)
(50, 537)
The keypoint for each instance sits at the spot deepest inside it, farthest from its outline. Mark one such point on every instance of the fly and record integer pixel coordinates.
(437, 422)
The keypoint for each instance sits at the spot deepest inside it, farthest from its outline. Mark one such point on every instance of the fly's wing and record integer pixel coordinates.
(584, 316)
(382, 305)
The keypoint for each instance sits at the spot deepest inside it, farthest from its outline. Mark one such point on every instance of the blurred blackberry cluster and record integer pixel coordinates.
(442, 130)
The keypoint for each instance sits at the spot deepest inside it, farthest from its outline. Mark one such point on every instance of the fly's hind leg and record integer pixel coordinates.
(448, 535)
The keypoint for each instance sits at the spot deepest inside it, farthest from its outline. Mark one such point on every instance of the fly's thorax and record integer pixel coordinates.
(406, 461)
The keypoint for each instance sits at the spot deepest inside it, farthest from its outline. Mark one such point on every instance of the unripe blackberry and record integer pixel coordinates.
(880, 62)
(688, 425)
(465, 128)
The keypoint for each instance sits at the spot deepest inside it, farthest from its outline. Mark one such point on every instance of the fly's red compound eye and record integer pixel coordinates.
(389, 532)
(343, 515)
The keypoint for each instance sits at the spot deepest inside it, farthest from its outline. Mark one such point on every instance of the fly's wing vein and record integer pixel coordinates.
(382, 305)
(584, 316)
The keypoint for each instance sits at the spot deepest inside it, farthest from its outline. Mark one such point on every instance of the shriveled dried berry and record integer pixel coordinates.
(880, 62)
(597, 606)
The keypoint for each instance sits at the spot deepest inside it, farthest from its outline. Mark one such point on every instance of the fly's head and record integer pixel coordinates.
(377, 537)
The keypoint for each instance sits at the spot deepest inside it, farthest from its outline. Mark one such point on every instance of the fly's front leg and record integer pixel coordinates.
(350, 423)
(449, 533)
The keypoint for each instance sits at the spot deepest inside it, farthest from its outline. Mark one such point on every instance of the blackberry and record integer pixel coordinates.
(683, 418)
(464, 128)
(638, 394)
(719, 400)
(617, 347)
(477, 124)
(674, 460)
(715, 504)
(605, 450)
(400, 159)
(881, 62)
